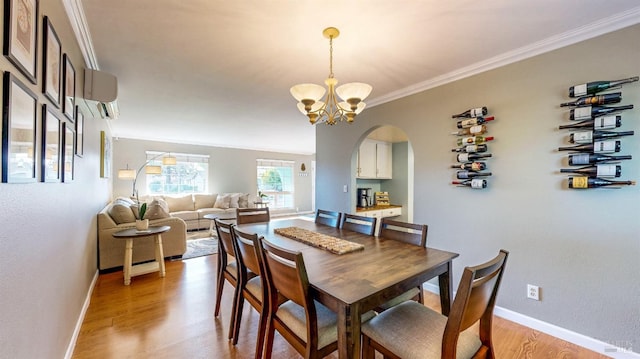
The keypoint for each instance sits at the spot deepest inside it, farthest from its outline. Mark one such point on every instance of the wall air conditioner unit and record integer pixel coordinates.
(100, 93)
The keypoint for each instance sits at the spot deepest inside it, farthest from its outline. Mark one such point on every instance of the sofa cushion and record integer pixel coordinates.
(186, 215)
(222, 201)
(121, 213)
(223, 213)
(157, 209)
(205, 200)
(177, 204)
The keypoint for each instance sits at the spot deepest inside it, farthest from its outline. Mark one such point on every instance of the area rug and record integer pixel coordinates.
(200, 243)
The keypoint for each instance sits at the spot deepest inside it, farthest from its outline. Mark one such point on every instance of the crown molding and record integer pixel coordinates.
(600, 27)
(78, 21)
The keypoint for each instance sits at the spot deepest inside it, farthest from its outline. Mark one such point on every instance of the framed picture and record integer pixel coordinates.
(69, 89)
(68, 145)
(51, 63)
(105, 155)
(21, 35)
(51, 159)
(79, 132)
(18, 131)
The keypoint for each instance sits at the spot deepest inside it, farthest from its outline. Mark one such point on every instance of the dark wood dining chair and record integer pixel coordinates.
(227, 267)
(307, 325)
(328, 218)
(360, 224)
(252, 215)
(252, 289)
(411, 330)
(415, 234)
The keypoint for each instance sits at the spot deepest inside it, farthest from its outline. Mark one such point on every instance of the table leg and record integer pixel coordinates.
(160, 255)
(349, 332)
(128, 254)
(445, 281)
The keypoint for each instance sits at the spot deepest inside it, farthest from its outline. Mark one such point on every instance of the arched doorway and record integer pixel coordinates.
(400, 184)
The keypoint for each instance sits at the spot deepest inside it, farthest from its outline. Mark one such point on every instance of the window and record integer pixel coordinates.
(275, 179)
(190, 174)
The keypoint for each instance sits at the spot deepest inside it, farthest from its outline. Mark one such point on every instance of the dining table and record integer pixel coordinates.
(359, 281)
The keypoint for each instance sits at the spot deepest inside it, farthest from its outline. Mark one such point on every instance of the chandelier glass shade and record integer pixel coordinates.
(341, 103)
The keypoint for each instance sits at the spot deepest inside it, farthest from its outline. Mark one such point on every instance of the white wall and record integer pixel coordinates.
(48, 232)
(581, 247)
(230, 169)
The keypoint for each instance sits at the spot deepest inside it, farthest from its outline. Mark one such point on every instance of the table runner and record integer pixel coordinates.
(332, 244)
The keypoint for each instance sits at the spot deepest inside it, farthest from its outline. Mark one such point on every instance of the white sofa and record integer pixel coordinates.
(193, 208)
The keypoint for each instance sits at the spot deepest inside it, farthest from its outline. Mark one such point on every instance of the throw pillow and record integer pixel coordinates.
(243, 201)
(121, 213)
(157, 209)
(233, 203)
(124, 200)
(222, 201)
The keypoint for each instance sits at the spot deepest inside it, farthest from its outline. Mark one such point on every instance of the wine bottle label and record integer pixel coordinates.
(580, 159)
(475, 129)
(469, 122)
(463, 157)
(468, 140)
(580, 182)
(471, 148)
(580, 90)
(477, 183)
(606, 170)
(604, 146)
(605, 122)
(583, 137)
(582, 113)
(475, 112)
(476, 166)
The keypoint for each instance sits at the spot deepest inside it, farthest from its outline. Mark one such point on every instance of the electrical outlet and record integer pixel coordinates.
(533, 292)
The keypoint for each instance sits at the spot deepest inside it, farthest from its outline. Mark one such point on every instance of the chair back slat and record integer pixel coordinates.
(474, 301)
(246, 251)
(286, 273)
(328, 218)
(252, 215)
(225, 238)
(360, 224)
(411, 233)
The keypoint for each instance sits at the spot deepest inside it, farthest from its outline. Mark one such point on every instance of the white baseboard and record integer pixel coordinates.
(83, 312)
(558, 332)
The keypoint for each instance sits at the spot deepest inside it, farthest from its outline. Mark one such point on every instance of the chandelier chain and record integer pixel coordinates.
(331, 57)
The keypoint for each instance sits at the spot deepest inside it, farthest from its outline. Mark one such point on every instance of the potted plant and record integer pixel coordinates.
(142, 223)
(262, 196)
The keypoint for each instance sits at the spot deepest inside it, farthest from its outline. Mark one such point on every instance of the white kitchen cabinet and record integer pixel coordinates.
(374, 159)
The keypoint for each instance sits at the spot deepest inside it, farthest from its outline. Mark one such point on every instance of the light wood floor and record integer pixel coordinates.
(172, 317)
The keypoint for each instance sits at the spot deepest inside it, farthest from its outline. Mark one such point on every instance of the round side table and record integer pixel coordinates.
(156, 266)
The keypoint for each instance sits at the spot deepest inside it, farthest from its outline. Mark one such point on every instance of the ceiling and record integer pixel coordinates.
(218, 73)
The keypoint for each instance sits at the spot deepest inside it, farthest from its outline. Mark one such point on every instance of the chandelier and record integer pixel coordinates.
(330, 110)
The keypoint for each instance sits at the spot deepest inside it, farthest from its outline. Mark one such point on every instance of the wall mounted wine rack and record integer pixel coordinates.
(472, 151)
(595, 154)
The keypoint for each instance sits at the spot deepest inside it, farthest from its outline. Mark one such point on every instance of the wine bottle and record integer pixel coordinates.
(473, 140)
(473, 130)
(590, 136)
(591, 88)
(477, 183)
(602, 170)
(596, 147)
(589, 182)
(464, 174)
(598, 123)
(474, 112)
(588, 159)
(585, 113)
(471, 149)
(466, 157)
(613, 97)
(471, 166)
(474, 121)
